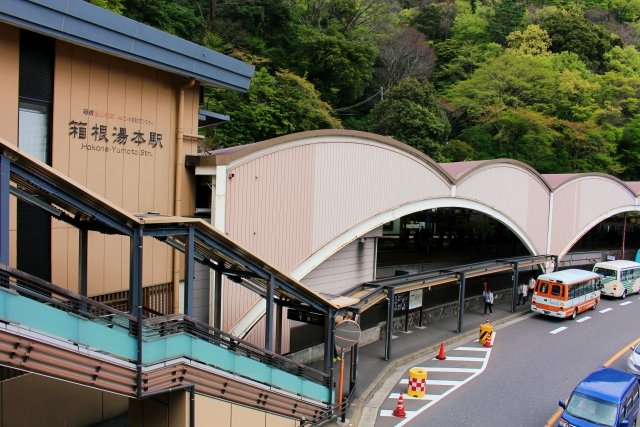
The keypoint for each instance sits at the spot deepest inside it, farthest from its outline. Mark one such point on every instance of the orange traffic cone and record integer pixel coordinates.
(487, 342)
(399, 411)
(441, 355)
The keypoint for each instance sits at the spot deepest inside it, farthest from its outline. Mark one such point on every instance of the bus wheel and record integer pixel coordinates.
(574, 314)
(595, 304)
(624, 294)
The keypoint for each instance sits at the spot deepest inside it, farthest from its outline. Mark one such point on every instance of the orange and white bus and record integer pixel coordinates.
(566, 293)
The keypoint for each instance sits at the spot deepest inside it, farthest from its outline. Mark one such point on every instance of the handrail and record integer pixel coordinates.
(180, 323)
(153, 327)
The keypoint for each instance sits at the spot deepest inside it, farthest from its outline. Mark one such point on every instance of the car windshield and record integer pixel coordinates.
(605, 272)
(636, 349)
(593, 410)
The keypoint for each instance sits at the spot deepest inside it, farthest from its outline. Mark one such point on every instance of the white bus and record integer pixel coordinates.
(620, 278)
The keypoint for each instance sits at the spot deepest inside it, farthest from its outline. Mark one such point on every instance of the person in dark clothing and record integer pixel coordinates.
(488, 300)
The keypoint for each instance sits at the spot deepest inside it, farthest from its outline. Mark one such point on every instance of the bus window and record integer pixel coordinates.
(556, 289)
(543, 287)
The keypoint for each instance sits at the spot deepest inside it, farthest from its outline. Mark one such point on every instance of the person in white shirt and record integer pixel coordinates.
(523, 288)
(532, 285)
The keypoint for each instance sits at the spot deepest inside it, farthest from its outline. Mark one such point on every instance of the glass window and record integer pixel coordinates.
(33, 125)
(591, 409)
(556, 290)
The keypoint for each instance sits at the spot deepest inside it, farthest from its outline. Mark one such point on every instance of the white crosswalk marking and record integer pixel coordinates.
(560, 329)
(583, 319)
(436, 366)
(434, 382)
(626, 303)
(606, 310)
(388, 413)
(465, 359)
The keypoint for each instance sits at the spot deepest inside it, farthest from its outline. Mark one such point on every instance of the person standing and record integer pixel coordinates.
(487, 295)
(523, 288)
(532, 285)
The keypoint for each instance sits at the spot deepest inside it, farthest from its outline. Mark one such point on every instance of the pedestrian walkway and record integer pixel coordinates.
(377, 378)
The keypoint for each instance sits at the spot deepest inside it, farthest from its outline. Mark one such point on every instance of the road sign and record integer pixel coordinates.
(347, 334)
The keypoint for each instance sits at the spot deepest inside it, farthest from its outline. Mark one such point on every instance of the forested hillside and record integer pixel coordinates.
(554, 83)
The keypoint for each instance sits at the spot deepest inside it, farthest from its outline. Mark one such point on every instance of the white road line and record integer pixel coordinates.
(485, 349)
(626, 303)
(465, 359)
(583, 319)
(406, 396)
(560, 329)
(605, 310)
(389, 413)
(434, 382)
(441, 369)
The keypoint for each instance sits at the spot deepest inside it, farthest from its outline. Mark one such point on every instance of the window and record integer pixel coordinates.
(33, 129)
(556, 290)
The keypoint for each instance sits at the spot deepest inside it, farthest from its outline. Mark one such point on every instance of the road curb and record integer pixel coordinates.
(357, 406)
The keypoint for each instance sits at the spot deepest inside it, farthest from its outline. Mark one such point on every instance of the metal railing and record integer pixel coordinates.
(153, 327)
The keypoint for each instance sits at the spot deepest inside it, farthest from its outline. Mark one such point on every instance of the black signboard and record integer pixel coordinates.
(305, 316)
(401, 302)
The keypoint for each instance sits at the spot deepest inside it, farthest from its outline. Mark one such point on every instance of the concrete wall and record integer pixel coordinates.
(55, 403)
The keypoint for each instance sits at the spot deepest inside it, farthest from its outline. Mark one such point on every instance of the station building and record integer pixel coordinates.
(111, 106)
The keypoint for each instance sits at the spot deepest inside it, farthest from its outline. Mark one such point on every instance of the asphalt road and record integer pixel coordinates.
(534, 362)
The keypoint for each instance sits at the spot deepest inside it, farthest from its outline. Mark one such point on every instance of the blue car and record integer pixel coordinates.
(606, 397)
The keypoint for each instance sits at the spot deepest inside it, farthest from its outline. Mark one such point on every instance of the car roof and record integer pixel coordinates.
(607, 384)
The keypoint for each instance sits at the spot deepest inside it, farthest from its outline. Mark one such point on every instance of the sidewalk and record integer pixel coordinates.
(376, 377)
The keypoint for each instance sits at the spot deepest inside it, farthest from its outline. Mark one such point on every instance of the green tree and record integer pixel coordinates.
(629, 150)
(178, 17)
(435, 20)
(276, 104)
(532, 41)
(624, 60)
(507, 17)
(340, 67)
(410, 113)
(508, 81)
(570, 32)
(548, 144)
(116, 6)
(625, 10)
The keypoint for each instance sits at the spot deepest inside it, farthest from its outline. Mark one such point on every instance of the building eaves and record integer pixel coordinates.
(84, 24)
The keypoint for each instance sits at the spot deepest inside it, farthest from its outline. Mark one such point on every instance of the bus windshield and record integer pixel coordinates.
(593, 410)
(606, 272)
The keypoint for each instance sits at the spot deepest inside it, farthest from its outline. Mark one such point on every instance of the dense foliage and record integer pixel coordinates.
(553, 83)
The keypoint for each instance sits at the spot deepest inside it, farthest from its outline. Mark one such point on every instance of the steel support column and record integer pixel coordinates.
(278, 348)
(135, 290)
(461, 283)
(83, 241)
(390, 304)
(189, 253)
(329, 327)
(516, 280)
(217, 300)
(269, 300)
(5, 171)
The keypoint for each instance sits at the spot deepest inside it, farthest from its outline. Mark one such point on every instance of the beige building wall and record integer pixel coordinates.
(9, 68)
(98, 97)
(34, 400)
(172, 410)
